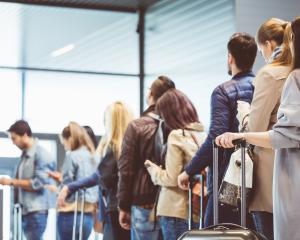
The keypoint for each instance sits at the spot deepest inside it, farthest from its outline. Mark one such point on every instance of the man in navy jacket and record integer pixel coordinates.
(242, 51)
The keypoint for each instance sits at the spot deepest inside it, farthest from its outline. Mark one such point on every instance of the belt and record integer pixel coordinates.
(147, 206)
(38, 212)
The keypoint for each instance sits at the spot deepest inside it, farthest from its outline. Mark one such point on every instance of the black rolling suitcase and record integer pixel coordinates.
(224, 230)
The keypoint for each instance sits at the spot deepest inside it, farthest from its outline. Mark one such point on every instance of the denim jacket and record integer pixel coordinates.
(78, 165)
(106, 177)
(35, 164)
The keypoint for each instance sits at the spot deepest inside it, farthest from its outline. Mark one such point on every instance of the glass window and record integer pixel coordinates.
(54, 99)
(10, 98)
(10, 40)
(80, 39)
(8, 149)
(187, 41)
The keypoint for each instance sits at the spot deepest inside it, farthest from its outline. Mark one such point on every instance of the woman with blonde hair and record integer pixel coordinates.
(78, 164)
(285, 139)
(116, 118)
(262, 116)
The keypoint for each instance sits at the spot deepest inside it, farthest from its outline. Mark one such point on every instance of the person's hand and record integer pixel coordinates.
(225, 140)
(183, 181)
(6, 181)
(52, 188)
(62, 196)
(148, 164)
(57, 176)
(125, 219)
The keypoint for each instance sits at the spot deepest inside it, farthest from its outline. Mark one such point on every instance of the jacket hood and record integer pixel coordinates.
(195, 126)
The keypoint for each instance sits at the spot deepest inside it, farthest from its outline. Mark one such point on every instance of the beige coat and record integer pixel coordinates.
(263, 115)
(173, 202)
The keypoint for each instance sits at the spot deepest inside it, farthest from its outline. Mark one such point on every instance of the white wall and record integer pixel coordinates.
(250, 14)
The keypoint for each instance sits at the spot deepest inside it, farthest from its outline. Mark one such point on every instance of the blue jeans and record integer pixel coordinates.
(173, 228)
(141, 227)
(65, 225)
(263, 222)
(34, 225)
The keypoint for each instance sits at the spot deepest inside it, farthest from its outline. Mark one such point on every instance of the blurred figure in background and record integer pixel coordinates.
(32, 176)
(136, 192)
(100, 215)
(285, 139)
(79, 163)
(242, 51)
(268, 86)
(186, 136)
(117, 117)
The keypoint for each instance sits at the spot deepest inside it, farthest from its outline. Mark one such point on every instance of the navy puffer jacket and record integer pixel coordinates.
(223, 119)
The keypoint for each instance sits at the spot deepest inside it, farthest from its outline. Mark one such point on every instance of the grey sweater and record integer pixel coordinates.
(285, 138)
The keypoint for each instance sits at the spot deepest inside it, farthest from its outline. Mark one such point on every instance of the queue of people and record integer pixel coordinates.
(138, 174)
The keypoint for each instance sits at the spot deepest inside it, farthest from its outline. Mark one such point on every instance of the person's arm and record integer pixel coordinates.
(126, 168)
(87, 182)
(267, 93)
(22, 183)
(43, 163)
(270, 139)
(174, 164)
(69, 168)
(219, 123)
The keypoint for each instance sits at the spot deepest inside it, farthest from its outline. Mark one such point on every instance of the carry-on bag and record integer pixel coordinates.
(225, 230)
(197, 178)
(76, 215)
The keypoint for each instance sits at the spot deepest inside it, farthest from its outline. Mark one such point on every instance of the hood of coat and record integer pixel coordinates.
(195, 126)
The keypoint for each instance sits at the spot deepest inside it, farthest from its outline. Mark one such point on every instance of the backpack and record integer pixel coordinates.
(160, 141)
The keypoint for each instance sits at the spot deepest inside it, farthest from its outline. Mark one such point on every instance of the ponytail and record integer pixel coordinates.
(285, 58)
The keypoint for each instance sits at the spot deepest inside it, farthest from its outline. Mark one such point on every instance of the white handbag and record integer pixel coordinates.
(230, 190)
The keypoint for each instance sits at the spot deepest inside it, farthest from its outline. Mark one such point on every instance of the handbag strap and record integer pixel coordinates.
(195, 139)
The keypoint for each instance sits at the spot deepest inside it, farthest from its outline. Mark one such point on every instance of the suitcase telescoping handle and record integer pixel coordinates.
(216, 182)
(82, 214)
(196, 178)
(242, 144)
(76, 215)
(18, 235)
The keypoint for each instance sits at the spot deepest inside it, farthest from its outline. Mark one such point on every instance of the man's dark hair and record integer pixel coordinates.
(243, 48)
(160, 86)
(20, 128)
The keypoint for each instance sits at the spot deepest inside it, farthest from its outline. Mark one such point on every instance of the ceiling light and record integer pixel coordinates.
(62, 50)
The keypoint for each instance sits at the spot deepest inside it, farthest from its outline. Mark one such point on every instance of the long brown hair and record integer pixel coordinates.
(176, 109)
(117, 117)
(78, 137)
(277, 30)
(295, 27)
